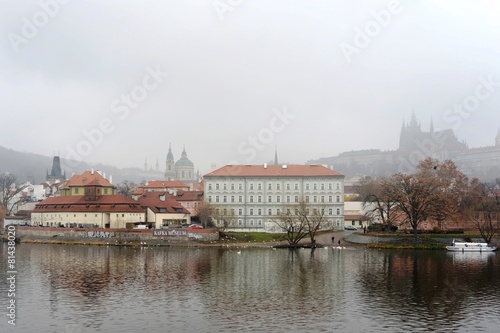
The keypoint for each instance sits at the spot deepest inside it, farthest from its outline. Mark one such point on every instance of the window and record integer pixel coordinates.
(322, 198)
(232, 186)
(307, 186)
(240, 198)
(270, 211)
(224, 186)
(232, 198)
(251, 186)
(259, 186)
(270, 199)
(277, 211)
(251, 211)
(209, 198)
(287, 198)
(330, 198)
(337, 198)
(315, 186)
(315, 198)
(278, 186)
(296, 199)
(187, 204)
(240, 186)
(216, 198)
(251, 222)
(240, 222)
(269, 186)
(307, 198)
(240, 211)
(259, 222)
(259, 211)
(288, 186)
(217, 186)
(338, 211)
(322, 186)
(330, 186)
(296, 186)
(338, 186)
(278, 198)
(224, 198)
(251, 198)
(330, 211)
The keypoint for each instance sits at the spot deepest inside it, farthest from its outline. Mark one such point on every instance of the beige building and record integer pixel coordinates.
(163, 211)
(255, 194)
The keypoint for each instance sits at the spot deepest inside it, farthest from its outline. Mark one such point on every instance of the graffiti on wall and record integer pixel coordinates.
(100, 234)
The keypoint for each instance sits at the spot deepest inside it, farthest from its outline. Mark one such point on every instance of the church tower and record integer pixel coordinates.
(170, 170)
(184, 168)
(56, 172)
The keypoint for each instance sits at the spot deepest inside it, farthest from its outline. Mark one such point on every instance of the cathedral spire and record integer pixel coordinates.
(276, 155)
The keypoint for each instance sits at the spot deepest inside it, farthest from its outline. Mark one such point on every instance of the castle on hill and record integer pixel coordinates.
(415, 145)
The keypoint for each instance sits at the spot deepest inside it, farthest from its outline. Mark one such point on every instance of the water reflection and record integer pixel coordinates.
(114, 289)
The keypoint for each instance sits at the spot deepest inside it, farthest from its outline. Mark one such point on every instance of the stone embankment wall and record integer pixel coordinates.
(115, 236)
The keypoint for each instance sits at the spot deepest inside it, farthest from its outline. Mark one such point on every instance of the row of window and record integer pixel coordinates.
(288, 198)
(259, 223)
(277, 186)
(270, 211)
(95, 215)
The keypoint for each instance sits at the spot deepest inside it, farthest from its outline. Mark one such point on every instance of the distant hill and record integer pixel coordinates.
(33, 167)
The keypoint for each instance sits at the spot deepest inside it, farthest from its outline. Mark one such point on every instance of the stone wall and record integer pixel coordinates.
(117, 236)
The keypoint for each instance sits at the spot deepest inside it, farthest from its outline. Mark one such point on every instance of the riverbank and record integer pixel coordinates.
(210, 238)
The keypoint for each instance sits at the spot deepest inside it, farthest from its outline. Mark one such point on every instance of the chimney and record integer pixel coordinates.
(162, 197)
(284, 166)
(111, 179)
(265, 165)
(92, 171)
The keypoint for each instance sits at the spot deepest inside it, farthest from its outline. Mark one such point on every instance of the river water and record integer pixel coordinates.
(73, 289)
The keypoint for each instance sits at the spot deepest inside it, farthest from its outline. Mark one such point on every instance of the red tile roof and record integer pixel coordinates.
(272, 171)
(77, 203)
(164, 184)
(161, 202)
(88, 178)
(189, 196)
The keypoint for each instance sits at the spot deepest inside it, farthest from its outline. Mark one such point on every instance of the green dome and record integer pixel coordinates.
(184, 162)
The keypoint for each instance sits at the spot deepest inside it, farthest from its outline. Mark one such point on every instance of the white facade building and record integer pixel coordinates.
(256, 194)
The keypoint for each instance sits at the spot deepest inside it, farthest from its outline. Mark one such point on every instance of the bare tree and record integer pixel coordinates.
(451, 189)
(482, 208)
(9, 193)
(377, 198)
(126, 188)
(205, 212)
(224, 216)
(290, 221)
(301, 220)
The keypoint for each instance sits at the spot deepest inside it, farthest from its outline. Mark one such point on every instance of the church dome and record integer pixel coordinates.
(184, 160)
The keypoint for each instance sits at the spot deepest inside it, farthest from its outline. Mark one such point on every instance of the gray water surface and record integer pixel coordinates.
(115, 289)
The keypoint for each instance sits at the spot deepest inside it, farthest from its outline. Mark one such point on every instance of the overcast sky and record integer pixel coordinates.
(116, 81)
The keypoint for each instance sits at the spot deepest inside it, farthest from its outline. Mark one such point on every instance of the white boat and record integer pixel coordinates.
(470, 247)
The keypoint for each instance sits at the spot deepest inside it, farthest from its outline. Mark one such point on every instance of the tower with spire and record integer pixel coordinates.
(275, 155)
(56, 172)
(170, 164)
(184, 168)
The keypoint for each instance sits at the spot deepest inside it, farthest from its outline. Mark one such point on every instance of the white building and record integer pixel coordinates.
(256, 194)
